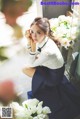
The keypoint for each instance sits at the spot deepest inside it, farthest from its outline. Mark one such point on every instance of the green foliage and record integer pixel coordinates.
(2, 56)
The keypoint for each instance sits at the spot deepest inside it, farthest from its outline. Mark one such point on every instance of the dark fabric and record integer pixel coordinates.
(53, 88)
(44, 76)
(73, 66)
(77, 72)
(29, 93)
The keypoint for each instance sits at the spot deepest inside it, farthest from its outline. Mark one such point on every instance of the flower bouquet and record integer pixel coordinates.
(30, 109)
(65, 30)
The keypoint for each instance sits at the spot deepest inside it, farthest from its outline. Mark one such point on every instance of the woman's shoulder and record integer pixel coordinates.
(51, 44)
(50, 47)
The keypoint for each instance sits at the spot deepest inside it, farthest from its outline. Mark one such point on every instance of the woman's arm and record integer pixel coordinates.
(37, 60)
(45, 54)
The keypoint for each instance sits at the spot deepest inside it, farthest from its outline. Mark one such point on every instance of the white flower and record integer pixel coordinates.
(66, 30)
(35, 117)
(30, 109)
(16, 106)
(62, 18)
(41, 116)
(30, 103)
(73, 30)
(46, 110)
(54, 22)
(18, 110)
(39, 107)
(74, 21)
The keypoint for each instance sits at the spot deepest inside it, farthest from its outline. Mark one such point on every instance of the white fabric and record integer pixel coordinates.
(50, 56)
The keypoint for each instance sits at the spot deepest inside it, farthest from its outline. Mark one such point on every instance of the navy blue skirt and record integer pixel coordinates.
(56, 91)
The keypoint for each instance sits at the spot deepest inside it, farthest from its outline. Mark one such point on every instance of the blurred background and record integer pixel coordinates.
(15, 18)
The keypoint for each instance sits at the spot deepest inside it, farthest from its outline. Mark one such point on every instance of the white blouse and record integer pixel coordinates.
(49, 56)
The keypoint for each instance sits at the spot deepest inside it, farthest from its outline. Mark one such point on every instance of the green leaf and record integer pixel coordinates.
(26, 106)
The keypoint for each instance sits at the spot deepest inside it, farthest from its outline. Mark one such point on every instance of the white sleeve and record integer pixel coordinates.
(38, 60)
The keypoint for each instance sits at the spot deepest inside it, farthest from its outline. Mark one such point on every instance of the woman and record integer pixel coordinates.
(46, 67)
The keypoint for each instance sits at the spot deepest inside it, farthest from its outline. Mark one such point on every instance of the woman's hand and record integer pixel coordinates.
(28, 36)
(33, 46)
(30, 41)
